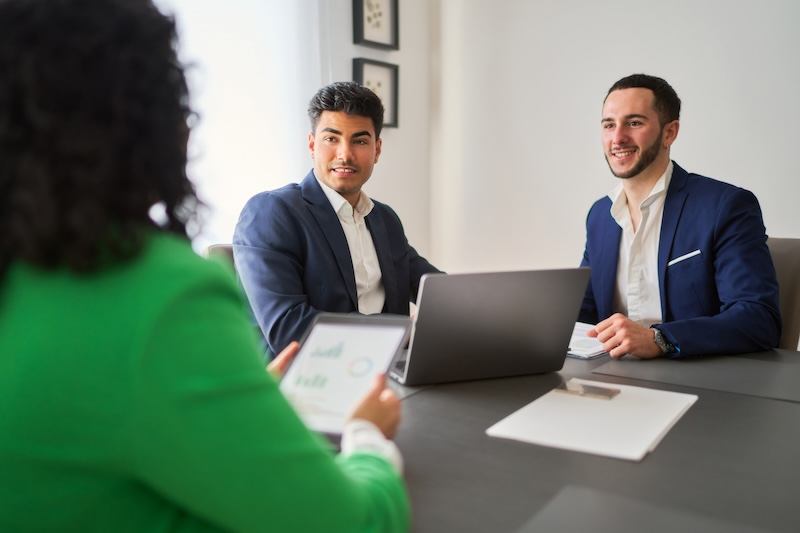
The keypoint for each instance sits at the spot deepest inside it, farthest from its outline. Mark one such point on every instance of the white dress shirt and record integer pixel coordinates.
(637, 294)
(369, 282)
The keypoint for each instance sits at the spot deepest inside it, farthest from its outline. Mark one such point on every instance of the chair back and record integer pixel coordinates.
(226, 251)
(786, 258)
(222, 250)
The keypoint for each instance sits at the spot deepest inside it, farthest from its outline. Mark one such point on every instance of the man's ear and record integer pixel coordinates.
(671, 133)
(378, 144)
(311, 144)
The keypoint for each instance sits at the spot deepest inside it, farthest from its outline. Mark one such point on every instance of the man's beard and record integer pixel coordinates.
(648, 156)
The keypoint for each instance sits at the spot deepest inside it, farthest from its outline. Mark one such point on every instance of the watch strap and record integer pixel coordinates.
(662, 342)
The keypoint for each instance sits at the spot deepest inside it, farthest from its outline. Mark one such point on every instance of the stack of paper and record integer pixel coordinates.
(627, 426)
(582, 346)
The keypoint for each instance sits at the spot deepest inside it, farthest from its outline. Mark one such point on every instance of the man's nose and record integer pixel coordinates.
(343, 152)
(620, 136)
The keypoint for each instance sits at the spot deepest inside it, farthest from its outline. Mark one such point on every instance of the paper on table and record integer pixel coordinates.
(584, 347)
(627, 426)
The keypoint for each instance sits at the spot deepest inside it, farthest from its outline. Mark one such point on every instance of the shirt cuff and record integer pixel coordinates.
(363, 436)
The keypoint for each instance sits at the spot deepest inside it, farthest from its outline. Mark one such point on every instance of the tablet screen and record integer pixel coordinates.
(336, 365)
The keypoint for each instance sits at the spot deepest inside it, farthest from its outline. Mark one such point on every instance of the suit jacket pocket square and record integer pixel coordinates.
(683, 257)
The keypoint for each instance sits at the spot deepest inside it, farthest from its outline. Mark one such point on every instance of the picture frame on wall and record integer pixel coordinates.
(376, 24)
(382, 79)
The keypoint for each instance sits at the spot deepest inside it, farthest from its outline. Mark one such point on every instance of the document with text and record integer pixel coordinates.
(628, 425)
(582, 346)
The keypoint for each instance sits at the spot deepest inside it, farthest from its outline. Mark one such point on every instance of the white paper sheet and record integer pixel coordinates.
(582, 346)
(627, 426)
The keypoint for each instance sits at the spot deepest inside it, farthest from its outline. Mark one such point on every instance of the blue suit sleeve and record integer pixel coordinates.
(269, 256)
(725, 300)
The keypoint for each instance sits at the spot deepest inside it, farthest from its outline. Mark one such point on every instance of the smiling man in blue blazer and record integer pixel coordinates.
(680, 264)
(323, 244)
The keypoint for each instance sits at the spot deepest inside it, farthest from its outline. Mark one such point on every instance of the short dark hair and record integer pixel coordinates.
(667, 104)
(93, 130)
(349, 97)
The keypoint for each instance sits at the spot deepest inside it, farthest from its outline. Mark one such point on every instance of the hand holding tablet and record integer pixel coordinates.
(381, 407)
(339, 359)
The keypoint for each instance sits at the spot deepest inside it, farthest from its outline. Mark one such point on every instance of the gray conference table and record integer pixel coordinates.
(731, 463)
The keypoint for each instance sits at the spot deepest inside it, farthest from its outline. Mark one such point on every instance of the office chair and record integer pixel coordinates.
(222, 250)
(786, 258)
(226, 251)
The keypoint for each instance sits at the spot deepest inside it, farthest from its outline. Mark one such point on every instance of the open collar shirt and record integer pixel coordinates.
(637, 294)
(367, 270)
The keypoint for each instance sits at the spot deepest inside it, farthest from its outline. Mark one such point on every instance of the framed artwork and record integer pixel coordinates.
(376, 24)
(382, 79)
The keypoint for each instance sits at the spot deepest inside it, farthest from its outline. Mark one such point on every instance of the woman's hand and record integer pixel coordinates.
(381, 407)
(277, 367)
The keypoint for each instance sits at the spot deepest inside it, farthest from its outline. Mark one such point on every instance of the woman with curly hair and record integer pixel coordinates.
(132, 396)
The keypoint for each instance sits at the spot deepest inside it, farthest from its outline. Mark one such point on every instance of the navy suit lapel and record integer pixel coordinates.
(673, 207)
(612, 234)
(381, 240)
(328, 222)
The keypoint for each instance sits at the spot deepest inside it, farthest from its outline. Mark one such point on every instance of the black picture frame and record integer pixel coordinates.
(376, 24)
(382, 78)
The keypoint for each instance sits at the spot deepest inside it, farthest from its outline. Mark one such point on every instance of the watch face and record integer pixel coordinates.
(661, 341)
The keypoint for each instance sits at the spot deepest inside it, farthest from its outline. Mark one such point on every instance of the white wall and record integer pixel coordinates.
(402, 176)
(257, 63)
(252, 128)
(497, 158)
(517, 159)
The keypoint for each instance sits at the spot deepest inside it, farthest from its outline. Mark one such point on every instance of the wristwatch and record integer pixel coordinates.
(666, 346)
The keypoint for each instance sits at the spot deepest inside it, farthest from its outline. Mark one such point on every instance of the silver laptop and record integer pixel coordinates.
(490, 325)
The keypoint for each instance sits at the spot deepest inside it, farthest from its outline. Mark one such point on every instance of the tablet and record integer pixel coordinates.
(339, 356)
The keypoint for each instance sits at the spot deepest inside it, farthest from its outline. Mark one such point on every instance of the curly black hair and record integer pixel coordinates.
(93, 130)
(348, 97)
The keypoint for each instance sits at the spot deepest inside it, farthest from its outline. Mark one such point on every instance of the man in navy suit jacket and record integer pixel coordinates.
(680, 264)
(323, 244)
